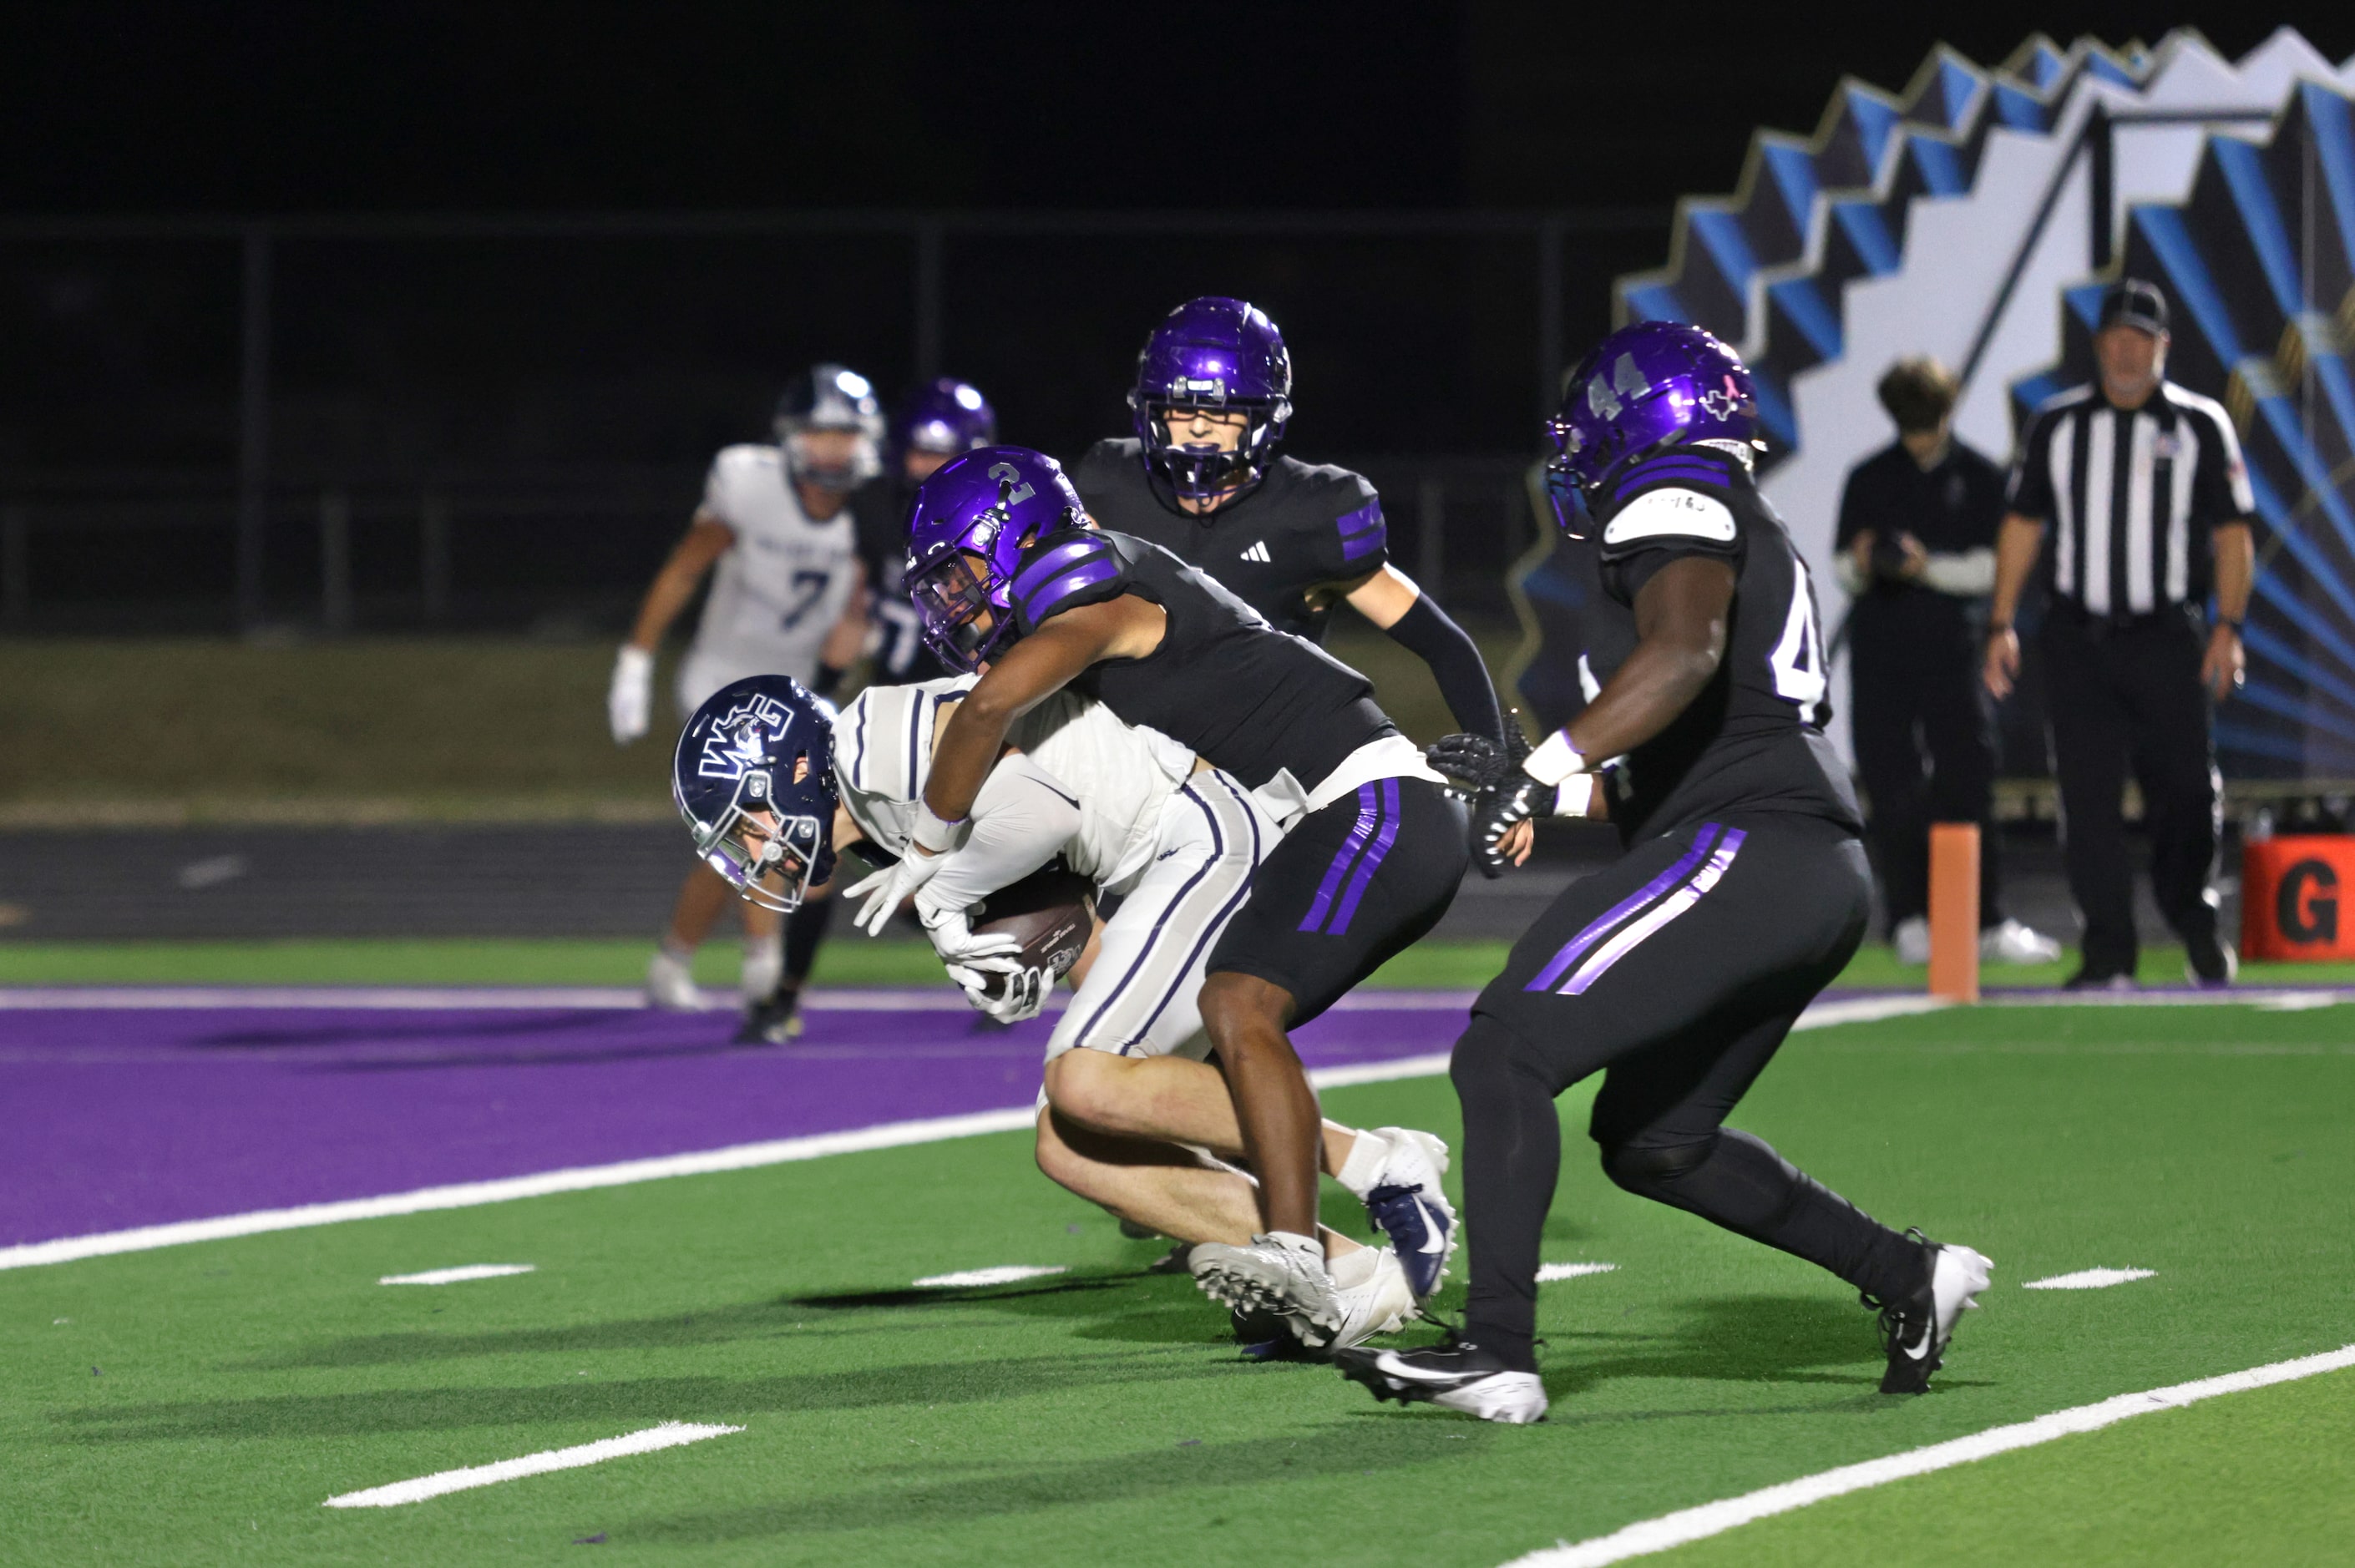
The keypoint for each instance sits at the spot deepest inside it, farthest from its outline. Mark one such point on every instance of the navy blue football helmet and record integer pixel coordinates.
(831, 398)
(753, 776)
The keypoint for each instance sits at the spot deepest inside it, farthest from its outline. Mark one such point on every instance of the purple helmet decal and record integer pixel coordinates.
(984, 507)
(946, 416)
(1219, 354)
(1646, 389)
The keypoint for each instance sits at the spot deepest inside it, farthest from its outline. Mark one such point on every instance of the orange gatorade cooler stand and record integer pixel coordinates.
(2293, 893)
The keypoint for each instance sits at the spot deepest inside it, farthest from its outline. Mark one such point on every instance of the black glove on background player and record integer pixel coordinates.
(1502, 794)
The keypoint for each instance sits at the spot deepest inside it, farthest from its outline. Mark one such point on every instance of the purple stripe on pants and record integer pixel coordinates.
(1350, 846)
(1600, 926)
(1371, 863)
(1639, 931)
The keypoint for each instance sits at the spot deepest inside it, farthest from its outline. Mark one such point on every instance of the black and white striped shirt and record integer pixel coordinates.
(2131, 495)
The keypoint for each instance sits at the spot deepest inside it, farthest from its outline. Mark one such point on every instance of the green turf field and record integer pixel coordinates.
(196, 1404)
(845, 960)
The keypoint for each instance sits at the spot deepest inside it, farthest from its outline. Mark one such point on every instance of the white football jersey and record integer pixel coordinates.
(778, 592)
(1120, 774)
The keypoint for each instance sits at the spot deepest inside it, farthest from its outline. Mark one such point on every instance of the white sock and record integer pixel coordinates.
(1350, 1270)
(1367, 1155)
(764, 966)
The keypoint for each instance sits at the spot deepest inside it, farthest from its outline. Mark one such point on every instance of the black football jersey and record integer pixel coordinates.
(1250, 698)
(1753, 739)
(1304, 526)
(880, 511)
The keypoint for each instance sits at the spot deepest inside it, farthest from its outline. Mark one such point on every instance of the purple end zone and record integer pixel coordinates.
(124, 1117)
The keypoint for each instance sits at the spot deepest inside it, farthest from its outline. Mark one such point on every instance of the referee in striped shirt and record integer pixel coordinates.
(2140, 486)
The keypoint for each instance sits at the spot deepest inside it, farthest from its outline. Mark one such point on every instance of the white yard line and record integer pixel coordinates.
(1549, 1272)
(669, 1435)
(419, 999)
(737, 1157)
(2088, 1279)
(1688, 1525)
(1004, 1274)
(460, 1275)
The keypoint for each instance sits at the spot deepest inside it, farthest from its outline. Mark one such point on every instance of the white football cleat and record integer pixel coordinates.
(671, 984)
(1912, 941)
(1459, 1377)
(1916, 1332)
(1283, 1275)
(2013, 943)
(1383, 1304)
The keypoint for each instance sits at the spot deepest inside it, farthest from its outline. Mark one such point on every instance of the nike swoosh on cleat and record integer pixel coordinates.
(1924, 1354)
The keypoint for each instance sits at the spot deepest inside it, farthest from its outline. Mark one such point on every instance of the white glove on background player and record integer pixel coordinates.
(1025, 990)
(630, 700)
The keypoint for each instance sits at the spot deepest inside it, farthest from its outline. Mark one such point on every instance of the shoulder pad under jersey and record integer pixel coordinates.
(1067, 568)
(1680, 499)
(1335, 511)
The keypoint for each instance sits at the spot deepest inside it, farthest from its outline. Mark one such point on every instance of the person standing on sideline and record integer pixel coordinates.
(1917, 527)
(2142, 485)
(785, 600)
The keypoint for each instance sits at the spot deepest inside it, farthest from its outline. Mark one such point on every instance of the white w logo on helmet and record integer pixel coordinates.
(741, 738)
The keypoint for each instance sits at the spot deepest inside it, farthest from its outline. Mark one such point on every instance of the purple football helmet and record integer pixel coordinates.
(987, 504)
(1644, 388)
(944, 416)
(1212, 353)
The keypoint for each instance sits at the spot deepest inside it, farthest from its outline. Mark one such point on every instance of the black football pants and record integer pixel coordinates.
(2130, 695)
(1676, 974)
(1916, 696)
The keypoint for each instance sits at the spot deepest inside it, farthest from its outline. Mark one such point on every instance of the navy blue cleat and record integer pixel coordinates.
(1407, 1204)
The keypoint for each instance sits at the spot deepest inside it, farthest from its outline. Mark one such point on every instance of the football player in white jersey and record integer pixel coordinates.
(785, 600)
(1133, 1116)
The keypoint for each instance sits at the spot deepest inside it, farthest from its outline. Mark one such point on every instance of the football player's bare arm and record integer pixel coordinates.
(1680, 626)
(1397, 606)
(1022, 677)
(1381, 595)
(707, 539)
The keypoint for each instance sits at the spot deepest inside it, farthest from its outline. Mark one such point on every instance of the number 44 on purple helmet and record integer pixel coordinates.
(1644, 388)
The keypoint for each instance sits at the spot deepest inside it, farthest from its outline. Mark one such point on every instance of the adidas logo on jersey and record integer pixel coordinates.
(1258, 552)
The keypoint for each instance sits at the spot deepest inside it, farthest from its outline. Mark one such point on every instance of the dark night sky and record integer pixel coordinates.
(359, 106)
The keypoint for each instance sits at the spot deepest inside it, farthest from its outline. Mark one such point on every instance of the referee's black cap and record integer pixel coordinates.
(2130, 302)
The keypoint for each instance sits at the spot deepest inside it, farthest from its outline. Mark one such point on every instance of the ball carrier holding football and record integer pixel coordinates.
(1080, 802)
(1677, 973)
(1014, 582)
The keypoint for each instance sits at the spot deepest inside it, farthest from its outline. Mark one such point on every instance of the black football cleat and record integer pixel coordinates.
(772, 1021)
(1458, 1376)
(1915, 1330)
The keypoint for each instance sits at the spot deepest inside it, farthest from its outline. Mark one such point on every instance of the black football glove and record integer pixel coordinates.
(1501, 793)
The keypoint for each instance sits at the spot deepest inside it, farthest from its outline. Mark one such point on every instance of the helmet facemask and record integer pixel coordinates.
(769, 860)
(1202, 472)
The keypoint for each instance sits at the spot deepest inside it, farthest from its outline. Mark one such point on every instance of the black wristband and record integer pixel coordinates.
(1455, 663)
(829, 678)
(2233, 621)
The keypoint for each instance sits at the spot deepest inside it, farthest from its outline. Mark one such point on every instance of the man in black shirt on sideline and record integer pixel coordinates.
(1917, 526)
(1204, 478)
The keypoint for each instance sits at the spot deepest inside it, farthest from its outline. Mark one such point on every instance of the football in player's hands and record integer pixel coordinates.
(1050, 912)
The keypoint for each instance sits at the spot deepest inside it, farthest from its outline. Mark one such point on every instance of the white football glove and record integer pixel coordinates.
(630, 701)
(886, 888)
(1026, 989)
(953, 934)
